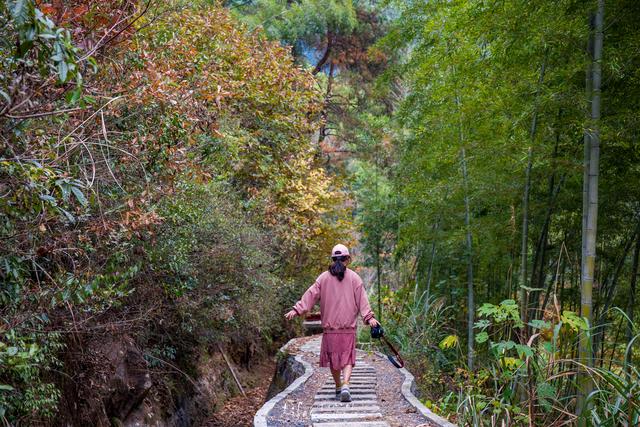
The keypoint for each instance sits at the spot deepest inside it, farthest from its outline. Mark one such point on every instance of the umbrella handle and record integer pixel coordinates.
(395, 360)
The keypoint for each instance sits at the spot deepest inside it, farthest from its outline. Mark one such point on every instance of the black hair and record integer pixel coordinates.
(337, 268)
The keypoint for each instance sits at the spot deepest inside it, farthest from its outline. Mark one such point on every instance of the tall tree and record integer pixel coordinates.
(593, 162)
(469, 243)
(525, 197)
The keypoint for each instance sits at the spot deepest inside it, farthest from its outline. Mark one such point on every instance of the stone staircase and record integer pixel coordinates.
(381, 394)
(362, 411)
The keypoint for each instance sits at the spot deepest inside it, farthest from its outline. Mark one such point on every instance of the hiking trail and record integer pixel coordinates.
(381, 394)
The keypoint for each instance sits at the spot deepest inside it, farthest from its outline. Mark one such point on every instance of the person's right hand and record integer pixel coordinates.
(290, 315)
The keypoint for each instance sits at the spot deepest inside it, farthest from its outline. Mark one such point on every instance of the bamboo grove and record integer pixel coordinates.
(494, 166)
(512, 206)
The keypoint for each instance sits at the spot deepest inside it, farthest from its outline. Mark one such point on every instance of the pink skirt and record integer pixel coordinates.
(338, 349)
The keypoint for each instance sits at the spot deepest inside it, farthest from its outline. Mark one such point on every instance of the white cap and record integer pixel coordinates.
(340, 250)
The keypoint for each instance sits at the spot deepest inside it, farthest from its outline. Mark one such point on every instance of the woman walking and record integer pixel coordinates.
(341, 297)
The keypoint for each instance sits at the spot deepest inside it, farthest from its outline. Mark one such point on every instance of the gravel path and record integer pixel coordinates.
(376, 391)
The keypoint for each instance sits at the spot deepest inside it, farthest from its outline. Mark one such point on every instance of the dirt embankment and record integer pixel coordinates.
(118, 384)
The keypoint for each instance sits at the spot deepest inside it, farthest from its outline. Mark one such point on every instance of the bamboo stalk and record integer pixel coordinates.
(585, 351)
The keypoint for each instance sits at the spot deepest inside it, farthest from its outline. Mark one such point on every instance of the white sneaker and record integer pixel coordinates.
(345, 394)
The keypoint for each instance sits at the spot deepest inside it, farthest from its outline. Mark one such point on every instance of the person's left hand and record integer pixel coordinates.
(290, 315)
(373, 323)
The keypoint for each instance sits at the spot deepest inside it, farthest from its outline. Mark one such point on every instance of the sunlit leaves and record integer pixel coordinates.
(240, 110)
(448, 342)
(575, 322)
(507, 310)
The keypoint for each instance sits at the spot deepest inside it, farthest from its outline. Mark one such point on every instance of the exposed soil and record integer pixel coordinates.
(239, 410)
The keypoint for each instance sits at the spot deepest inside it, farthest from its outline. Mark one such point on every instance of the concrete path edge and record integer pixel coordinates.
(260, 419)
(408, 386)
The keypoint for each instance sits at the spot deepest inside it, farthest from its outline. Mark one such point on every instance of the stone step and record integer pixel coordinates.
(346, 417)
(336, 404)
(354, 386)
(357, 375)
(332, 396)
(351, 387)
(344, 409)
(353, 424)
(354, 393)
(360, 384)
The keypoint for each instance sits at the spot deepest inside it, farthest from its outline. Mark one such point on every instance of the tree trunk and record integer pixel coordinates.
(524, 252)
(554, 283)
(607, 294)
(541, 251)
(470, 302)
(469, 241)
(327, 99)
(430, 271)
(587, 152)
(417, 276)
(632, 291)
(586, 298)
(326, 55)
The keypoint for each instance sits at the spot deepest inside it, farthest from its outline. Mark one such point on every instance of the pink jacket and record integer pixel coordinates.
(340, 301)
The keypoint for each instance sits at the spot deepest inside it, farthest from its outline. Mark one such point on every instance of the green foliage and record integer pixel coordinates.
(183, 206)
(496, 79)
(24, 360)
(506, 311)
(31, 41)
(215, 263)
(303, 24)
(374, 193)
